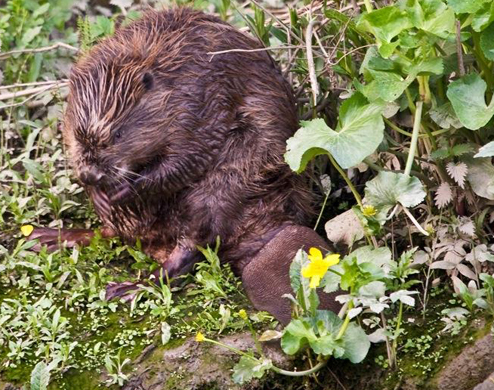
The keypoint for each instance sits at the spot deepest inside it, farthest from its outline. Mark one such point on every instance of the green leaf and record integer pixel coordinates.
(358, 134)
(297, 333)
(486, 151)
(432, 16)
(386, 85)
(466, 6)
(467, 95)
(385, 24)
(389, 188)
(30, 34)
(445, 116)
(487, 42)
(248, 368)
(484, 17)
(40, 377)
(356, 344)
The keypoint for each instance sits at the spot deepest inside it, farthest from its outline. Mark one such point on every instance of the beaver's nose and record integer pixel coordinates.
(90, 176)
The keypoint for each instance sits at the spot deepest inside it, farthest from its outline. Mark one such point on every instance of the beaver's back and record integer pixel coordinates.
(178, 145)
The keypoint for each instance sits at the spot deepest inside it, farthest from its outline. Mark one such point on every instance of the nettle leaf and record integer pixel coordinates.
(385, 24)
(444, 195)
(467, 95)
(248, 368)
(486, 151)
(458, 172)
(389, 188)
(40, 377)
(358, 134)
(481, 177)
(466, 6)
(487, 42)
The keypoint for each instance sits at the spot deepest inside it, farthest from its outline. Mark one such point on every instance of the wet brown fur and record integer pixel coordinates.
(194, 142)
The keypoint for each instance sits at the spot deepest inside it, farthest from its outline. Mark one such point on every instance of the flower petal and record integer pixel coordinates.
(26, 230)
(314, 281)
(332, 259)
(314, 254)
(307, 271)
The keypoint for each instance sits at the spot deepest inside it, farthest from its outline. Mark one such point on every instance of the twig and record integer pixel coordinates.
(39, 50)
(283, 47)
(310, 62)
(459, 50)
(34, 84)
(30, 91)
(415, 222)
(33, 92)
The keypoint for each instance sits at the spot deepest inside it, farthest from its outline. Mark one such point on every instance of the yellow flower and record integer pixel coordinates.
(369, 211)
(243, 314)
(318, 266)
(200, 337)
(26, 230)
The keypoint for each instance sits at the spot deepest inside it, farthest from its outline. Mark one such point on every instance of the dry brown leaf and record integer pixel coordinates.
(458, 172)
(444, 195)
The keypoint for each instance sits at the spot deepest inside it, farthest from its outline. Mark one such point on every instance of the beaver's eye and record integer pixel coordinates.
(118, 134)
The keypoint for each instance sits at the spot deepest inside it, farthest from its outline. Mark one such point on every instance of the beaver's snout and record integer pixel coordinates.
(90, 176)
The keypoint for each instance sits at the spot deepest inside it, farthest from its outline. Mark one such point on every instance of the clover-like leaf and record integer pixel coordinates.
(358, 134)
(467, 95)
(389, 188)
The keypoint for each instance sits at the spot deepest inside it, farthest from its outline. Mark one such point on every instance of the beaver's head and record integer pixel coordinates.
(136, 107)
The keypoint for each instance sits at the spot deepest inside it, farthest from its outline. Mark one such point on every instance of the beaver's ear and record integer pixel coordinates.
(148, 81)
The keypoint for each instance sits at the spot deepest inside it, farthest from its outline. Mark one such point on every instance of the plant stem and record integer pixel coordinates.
(368, 6)
(415, 136)
(345, 323)
(322, 209)
(415, 222)
(233, 349)
(347, 180)
(314, 369)
(398, 325)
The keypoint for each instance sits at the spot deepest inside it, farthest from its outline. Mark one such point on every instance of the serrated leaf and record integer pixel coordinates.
(467, 95)
(487, 42)
(467, 227)
(486, 151)
(444, 195)
(461, 149)
(389, 188)
(40, 377)
(358, 134)
(458, 172)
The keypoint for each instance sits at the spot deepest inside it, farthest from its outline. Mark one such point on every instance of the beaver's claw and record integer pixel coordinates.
(126, 291)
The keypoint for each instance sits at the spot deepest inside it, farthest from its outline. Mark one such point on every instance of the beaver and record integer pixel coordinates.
(178, 146)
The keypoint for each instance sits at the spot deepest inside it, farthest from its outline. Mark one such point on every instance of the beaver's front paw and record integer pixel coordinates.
(126, 291)
(54, 239)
